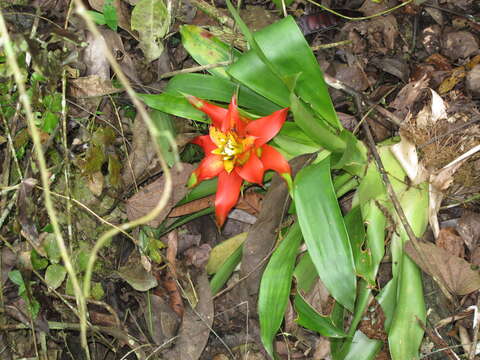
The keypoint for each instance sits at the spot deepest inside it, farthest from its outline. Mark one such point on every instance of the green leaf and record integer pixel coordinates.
(151, 19)
(49, 122)
(316, 129)
(222, 251)
(215, 88)
(173, 104)
(38, 262)
(55, 275)
(405, 334)
(324, 231)
(97, 291)
(279, 3)
(207, 49)
(287, 51)
(275, 286)
(294, 141)
(16, 277)
(110, 15)
(166, 139)
(97, 17)
(226, 270)
(51, 247)
(305, 273)
(308, 317)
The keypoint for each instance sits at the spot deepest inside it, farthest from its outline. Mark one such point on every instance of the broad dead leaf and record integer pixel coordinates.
(250, 202)
(407, 96)
(137, 277)
(94, 57)
(196, 324)
(147, 198)
(469, 229)
(454, 273)
(449, 240)
(91, 86)
(142, 159)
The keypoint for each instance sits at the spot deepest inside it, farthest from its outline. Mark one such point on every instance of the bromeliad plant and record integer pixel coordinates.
(344, 251)
(236, 150)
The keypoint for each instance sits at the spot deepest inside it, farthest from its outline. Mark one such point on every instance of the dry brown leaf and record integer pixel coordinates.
(380, 33)
(147, 198)
(449, 240)
(94, 58)
(142, 159)
(91, 86)
(469, 229)
(407, 96)
(250, 203)
(459, 45)
(196, 324)
(454, 273)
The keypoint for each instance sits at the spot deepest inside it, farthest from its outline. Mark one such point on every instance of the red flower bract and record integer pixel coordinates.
(235, 150)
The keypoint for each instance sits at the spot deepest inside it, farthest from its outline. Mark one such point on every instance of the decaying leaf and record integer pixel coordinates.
(407, 96)
(151, 19)
(455, 274)
(137, 277)
(196, 324)
(469, 229)
(142, 159)
(249, 202)
(91, 86)
(449, 240)
(147, 198)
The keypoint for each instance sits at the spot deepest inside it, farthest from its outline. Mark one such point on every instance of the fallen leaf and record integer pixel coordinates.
(459, 45)
(152, 20)
(197, 255)
(249, 202)
(449, 240)
(405, 99)
(454, 273)
(94, 57)
(195, 329)
(141, 159)
(147, 198)
(222, 251)
(468, 227)
(137, 277)
(91, 86)
(164, 320)
(472, 81)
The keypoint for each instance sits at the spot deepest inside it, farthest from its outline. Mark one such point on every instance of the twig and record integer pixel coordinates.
(473, 347)
(336, 84)
(213, 12)
(331, 45)
(193, 69)
(384, 12)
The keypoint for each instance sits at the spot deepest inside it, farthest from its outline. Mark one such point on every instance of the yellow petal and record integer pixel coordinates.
(228, 165)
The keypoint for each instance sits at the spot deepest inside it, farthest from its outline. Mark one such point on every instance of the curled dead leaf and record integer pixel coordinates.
(454, 273)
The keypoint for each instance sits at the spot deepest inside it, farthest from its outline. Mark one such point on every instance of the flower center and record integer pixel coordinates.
(230, 147)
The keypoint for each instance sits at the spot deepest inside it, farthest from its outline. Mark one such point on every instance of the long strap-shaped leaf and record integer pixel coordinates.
(288, 54)
(324, 231)
(275, 286)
